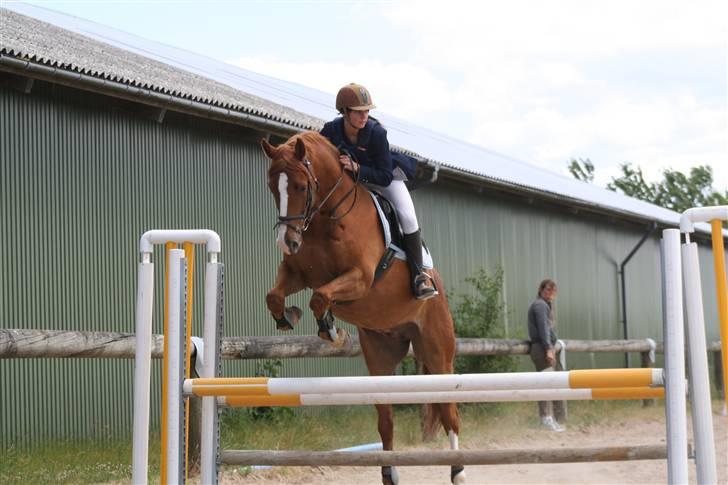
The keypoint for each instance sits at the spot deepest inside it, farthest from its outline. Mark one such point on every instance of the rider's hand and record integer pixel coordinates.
(348, 163)
(551, 357)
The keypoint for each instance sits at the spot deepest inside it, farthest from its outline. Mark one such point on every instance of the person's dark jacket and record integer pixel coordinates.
(540, 327)
(371, 151)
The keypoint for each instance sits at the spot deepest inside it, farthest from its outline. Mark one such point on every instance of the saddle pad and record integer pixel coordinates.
(399, 253)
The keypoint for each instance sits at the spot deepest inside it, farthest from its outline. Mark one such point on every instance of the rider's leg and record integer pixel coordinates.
(399, 195)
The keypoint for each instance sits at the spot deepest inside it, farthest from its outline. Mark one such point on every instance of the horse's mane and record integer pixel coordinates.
(315, 143)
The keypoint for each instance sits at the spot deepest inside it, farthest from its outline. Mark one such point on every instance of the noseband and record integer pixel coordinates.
(310, 210)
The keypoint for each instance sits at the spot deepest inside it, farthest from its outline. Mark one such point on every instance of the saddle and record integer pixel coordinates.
(392, 229)
(393, 236)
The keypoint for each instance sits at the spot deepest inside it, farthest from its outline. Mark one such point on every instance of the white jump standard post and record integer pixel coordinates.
(699, 383)
(675, 408)
(174, 451)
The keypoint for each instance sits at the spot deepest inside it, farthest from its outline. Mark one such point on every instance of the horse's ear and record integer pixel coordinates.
(267, 148)
(300, 149)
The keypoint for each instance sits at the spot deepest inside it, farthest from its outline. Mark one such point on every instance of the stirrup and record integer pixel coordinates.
(423, 291)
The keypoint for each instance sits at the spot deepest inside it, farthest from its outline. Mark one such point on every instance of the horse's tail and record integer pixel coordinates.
(430, 421)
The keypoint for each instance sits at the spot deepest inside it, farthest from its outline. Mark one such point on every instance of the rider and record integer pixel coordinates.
(355, 132)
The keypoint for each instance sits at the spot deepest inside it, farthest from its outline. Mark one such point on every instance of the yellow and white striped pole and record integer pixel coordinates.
(511, 395)
(575, 379)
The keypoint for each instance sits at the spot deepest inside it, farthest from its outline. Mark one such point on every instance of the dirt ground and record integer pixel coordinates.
(629, 431)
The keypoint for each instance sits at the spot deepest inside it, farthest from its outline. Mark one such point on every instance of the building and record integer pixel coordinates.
(104, 136)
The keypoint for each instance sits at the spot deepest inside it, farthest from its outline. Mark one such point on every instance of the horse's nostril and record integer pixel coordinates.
(293, 245)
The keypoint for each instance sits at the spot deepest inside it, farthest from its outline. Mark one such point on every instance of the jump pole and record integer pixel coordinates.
(516, 395)
(576, 379)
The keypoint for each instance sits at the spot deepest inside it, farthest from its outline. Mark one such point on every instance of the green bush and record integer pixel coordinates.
(270, 368)
(479, 314)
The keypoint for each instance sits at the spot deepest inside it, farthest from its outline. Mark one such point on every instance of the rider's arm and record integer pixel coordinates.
(379, 169)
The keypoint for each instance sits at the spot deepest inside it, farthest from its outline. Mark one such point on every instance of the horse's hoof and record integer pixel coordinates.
(324, 335)
(342, 338)
(390, 476)
(457, 475)
(291, 316)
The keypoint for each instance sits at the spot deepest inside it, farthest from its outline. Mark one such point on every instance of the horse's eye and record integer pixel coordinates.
(300, 188)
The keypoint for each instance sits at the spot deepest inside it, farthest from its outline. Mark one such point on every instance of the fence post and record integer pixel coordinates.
(647, 360)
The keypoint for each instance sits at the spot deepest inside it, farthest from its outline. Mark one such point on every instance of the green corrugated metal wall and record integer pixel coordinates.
(80, 184)
(81, 179)
(467, 229)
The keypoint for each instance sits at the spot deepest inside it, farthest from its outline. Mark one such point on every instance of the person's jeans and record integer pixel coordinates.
(557, 409)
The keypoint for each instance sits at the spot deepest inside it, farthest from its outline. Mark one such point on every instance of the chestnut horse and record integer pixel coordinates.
(329, 232)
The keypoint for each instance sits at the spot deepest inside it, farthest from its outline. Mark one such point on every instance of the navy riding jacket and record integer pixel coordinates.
(371, 151)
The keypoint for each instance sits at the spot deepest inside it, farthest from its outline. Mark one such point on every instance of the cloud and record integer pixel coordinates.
(546, 81)
(403, 89)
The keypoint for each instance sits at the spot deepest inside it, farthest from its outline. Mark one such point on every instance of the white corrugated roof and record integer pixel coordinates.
(450, 152)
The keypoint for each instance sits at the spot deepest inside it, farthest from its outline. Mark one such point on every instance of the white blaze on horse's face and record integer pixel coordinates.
(283, 203)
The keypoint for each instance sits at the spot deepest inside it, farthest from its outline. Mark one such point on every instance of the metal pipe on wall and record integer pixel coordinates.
(625, 328)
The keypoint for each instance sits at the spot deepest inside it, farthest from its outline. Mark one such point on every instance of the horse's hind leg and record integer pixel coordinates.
(434, 346)
(382, 353)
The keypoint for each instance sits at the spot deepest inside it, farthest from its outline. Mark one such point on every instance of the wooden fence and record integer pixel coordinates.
(31, 343)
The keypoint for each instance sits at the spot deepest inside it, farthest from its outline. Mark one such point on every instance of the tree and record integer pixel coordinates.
(582, 169)
(676, 191)
(633, 183)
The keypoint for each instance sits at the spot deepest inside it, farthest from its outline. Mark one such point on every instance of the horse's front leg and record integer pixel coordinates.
(351, 285)
(287, 283)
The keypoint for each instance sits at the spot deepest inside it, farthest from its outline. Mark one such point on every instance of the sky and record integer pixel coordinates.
(614, 81)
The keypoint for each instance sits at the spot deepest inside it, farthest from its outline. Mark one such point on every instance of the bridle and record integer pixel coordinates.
(310, 210)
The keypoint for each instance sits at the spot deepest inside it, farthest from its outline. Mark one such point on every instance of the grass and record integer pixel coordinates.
(311, 429)
(64, 462)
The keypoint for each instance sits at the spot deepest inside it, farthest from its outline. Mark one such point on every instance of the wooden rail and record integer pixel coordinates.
(30, 343)
(442, 457)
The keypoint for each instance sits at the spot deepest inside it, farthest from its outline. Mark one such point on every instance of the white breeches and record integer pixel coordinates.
(398, 194)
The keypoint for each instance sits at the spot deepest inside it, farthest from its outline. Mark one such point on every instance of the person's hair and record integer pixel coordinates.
(547, 283)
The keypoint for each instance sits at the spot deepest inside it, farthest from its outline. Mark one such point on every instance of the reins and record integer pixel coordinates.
(310, 211)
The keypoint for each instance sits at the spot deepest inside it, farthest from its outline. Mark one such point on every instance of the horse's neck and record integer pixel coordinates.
(333, 175)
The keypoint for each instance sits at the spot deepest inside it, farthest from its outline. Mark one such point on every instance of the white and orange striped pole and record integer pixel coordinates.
(510, 395)
(575, 379)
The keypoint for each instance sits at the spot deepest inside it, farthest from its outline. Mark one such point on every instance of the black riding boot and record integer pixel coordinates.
(422, 285)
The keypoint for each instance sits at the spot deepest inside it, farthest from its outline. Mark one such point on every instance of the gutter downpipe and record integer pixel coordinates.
(141, 95)
(650, 230)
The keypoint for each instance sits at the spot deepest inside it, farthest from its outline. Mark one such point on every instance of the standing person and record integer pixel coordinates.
(542, 334)
(354, 132)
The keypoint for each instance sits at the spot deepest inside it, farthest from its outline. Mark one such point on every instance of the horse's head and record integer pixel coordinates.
(295, 186)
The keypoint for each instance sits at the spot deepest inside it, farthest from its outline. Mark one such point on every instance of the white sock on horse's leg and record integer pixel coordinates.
(459, 477)
(453, 440)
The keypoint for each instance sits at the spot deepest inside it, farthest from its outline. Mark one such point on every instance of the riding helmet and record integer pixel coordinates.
(354, 96)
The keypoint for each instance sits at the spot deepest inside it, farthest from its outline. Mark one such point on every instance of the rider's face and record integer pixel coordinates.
(357, 119)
